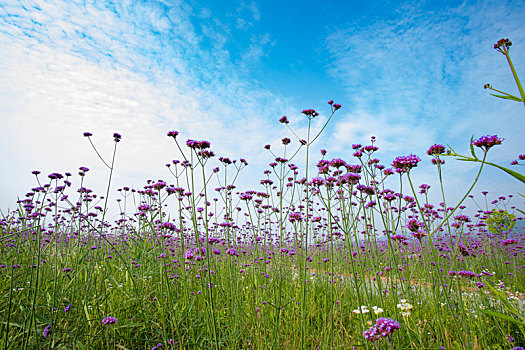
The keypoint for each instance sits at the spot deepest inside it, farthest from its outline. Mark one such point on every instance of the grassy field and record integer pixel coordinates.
(336, 260)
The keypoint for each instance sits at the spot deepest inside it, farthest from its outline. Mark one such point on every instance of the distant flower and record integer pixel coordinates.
(232, 252)
(436, 149)
(117, 137)
(88, 134)
(487, 142)
(284, 120)
(405, 307)
(377, 310)
(109, 320)
(173, 133)
(503, 45)
(286, 141)
(362, 310)
(46, 331)
(413, 225)
(310, 113)
(405, 163)
(35, 172)
(67, 308)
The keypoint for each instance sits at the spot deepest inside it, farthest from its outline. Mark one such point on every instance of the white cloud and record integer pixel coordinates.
(107, 70)
(417, 80)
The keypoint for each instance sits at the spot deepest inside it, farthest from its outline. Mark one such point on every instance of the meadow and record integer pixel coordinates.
(324, 257)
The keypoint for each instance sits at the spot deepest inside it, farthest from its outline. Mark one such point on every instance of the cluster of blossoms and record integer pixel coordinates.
(109, 320)
(403, 164)
(405, 307)
(487, 142)
(383, 328)
(362, 310)
(503, 45)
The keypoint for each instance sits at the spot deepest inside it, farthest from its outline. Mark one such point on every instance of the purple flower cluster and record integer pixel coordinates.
(436, 149)
(466, 273)
(404, 163)
(382, 329)
(487, 142)
(109, 320)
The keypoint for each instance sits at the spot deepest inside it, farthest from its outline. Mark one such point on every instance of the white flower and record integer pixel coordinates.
(363, 310)
(377, 310)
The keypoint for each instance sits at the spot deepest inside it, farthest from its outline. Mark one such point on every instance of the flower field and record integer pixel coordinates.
(327, 258)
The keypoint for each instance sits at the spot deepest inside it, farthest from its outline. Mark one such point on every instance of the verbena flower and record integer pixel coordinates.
(109, 320)
(436, 149)
(487, 142)
(405, 163)
(46, 331)
(383, 328)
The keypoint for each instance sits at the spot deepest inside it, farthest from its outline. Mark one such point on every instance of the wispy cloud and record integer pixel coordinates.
(137, 68)
(417, 79)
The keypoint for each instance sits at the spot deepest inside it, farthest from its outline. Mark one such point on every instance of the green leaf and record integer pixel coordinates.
(502, 316)
(472, 147)
(513, 173)
(509, 97)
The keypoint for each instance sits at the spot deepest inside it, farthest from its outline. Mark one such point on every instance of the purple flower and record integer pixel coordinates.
(466, 273)
(284, 120)
(117, 137)
(487, 142)
(67, 308)
(310, 113)
(88, 134)
(46, 331)
(173, 133)
(405, 163)
(232, 252)
(109, 320)
(436, 149)
(382, 329)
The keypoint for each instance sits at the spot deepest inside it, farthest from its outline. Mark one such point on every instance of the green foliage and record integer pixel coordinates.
(500, 221)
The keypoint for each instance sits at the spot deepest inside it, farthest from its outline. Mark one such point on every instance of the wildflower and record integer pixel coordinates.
(46, 331)
(232, 252)
(310, 113)
(362, 310)
(377, 310)
(382, 329)
(467, 273)
(284, 120)
(413, 225)
(405, 163)
(286, 141)
(405, 307)
(88, 134)
(503, 45)
(117, 137)
(173, 133)
(67, 308)
(436, 149)
(487, 142)
(109, 320)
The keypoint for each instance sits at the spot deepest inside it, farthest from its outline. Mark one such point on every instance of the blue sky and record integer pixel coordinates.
(409, 72)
